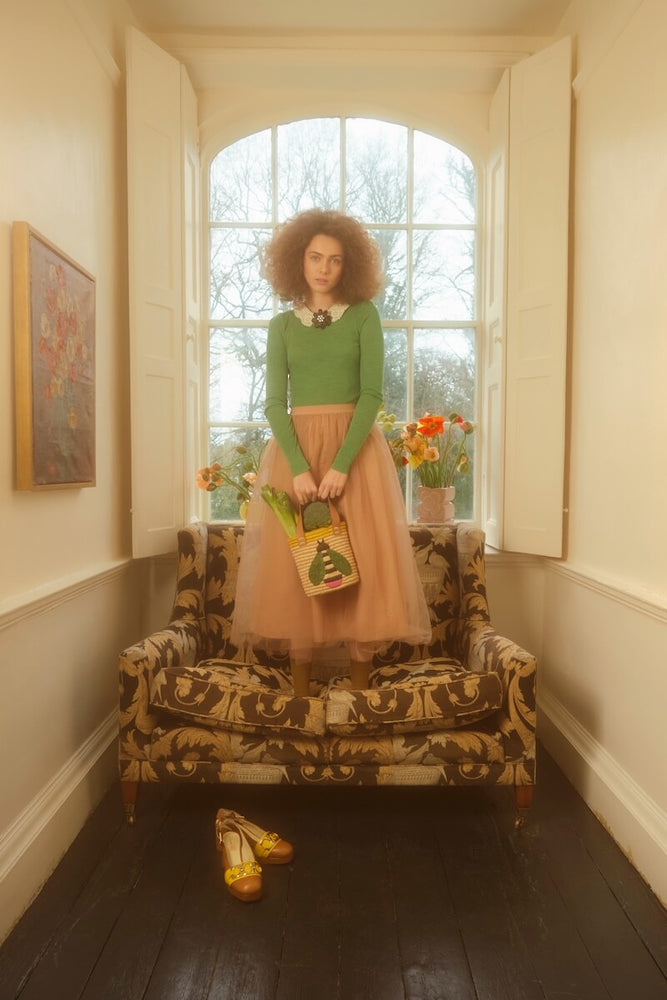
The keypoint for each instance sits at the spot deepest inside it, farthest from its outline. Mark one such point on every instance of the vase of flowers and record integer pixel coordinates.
(435, 448)
(435, 504)
(239, 473)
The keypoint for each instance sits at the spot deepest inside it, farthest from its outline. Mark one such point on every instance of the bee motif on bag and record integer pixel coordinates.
(328, 566)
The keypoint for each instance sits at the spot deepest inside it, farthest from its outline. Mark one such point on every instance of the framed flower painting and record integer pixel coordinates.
(54, 363)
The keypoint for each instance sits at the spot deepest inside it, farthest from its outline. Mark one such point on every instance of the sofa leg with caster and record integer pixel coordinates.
(129, 791)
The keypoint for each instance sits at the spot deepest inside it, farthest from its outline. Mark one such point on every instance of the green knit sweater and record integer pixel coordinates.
(306, 366)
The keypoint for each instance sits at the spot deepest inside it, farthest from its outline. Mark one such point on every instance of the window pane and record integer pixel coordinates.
(308, 166)
(237, 376)
(396, 373)
(444, 188)
(237, 290)
(444, 372)
(443, 266)
(223, 448)
(429, 271)
(241, 181)
(376, 170)
(444, 379)
(392, 300)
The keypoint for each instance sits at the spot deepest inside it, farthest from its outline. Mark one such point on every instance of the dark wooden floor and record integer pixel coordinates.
(427, 894)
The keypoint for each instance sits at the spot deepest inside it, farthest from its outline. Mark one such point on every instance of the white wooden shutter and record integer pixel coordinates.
(193, 449)
(493, 360)
(539, 171)
(154, 144)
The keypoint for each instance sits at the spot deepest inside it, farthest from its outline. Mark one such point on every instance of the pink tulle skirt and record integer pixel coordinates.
(272, 609)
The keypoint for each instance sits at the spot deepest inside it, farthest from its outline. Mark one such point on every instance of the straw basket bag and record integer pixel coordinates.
(324, 556)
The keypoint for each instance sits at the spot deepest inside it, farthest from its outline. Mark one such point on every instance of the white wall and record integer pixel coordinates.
(604, 670)
(515, 591)
(66, 583)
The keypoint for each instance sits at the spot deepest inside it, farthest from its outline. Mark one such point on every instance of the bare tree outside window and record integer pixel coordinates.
(417, 194)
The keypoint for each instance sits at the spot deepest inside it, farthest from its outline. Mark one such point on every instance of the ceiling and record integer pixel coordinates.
(455, 46)
(451, 17)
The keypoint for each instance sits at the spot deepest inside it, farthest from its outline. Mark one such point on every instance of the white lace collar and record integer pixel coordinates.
(303, 313)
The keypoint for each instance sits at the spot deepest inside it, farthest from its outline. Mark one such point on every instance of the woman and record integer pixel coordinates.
(323, 391)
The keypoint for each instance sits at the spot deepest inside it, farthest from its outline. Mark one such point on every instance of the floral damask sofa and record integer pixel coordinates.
(459, 711)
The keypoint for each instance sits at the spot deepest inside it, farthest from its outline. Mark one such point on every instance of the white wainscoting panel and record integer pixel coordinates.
(59, 651)
(601, 695)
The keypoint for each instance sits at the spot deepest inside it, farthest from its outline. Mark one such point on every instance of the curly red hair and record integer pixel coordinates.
(282, 258)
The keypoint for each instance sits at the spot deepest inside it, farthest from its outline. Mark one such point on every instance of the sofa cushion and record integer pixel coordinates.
(242, 696)
(177, 741)
(431, 695)
(477, 744)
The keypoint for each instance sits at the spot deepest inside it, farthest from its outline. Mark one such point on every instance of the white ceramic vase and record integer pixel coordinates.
(435, 505)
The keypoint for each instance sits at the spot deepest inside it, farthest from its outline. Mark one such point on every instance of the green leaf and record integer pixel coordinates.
(317, 570)
(340, 562)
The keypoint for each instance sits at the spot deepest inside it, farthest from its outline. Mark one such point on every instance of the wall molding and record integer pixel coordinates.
(635, 600)
(643, 811)
(37, 815)
(504, 558)
(495, 50)
(53, 595)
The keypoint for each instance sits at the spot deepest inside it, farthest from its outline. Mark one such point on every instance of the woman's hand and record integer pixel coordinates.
(305, 487)
(332, 485)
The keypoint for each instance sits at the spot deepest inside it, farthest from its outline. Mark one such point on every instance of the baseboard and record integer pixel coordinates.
(39, 836)
(633, 818)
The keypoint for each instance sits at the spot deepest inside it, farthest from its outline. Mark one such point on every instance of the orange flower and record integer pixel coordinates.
(202, 481)
(430, 425)
(412, 442)
(209, 477)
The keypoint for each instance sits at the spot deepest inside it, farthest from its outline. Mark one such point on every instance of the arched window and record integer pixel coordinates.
(418, 196)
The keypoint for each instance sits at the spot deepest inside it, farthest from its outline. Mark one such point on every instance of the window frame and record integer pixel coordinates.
(410, 325)
(528, 471)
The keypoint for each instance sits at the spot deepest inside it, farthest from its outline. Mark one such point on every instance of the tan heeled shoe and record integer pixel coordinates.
(243, 876)
(267, 846)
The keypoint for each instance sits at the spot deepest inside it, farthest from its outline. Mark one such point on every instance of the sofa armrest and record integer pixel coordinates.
(180, 643)
(486, 650)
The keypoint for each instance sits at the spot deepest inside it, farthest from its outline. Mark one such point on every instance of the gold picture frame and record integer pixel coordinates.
(54, 365)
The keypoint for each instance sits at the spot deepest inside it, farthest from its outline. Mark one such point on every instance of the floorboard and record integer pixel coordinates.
(122, 970)
(558, 953)
(617, 951)
(79, 940)
(393, 894)
(310, 965)
(479, 880)
(370, 966)
(641, 907)
(34, 933)
(198, 928)
(430, 940)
